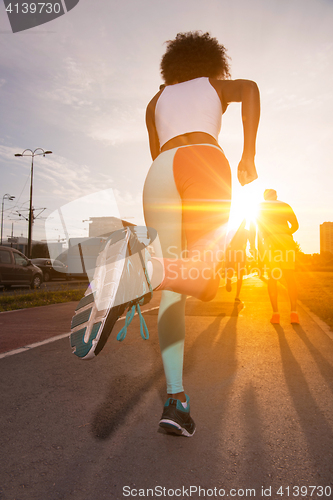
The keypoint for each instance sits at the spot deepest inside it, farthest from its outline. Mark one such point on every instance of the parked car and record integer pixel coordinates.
(51, 268)
(17, 269)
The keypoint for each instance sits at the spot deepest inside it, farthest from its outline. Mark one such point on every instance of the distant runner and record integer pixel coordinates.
(277, 223)
(236, 258)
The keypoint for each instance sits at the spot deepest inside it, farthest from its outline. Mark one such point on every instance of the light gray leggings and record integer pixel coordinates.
(164, 211)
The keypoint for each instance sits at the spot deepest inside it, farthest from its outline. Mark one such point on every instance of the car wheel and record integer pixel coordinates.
(36, 281)
(46, 276)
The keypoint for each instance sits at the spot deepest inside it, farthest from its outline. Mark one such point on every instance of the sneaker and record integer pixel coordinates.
(120, 280)
(294, 319)
(176, 419)
(275, 319)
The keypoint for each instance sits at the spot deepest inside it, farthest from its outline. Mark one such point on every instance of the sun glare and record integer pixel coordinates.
(245, 202)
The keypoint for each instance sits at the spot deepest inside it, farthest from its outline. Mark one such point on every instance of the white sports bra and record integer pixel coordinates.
(191, 106)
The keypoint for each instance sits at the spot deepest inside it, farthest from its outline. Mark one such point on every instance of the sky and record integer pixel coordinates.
(79, 86)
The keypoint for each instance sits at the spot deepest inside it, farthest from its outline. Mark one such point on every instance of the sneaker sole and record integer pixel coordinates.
(174, 428)
(92, 324)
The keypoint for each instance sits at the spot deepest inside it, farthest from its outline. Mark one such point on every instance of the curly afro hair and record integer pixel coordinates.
(194, 55)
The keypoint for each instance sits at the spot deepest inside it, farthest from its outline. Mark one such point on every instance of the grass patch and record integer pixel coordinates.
(38, 298)
(315, 290)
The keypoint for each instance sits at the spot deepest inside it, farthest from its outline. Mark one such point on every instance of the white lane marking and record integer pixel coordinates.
(53, 339)
(326, 329)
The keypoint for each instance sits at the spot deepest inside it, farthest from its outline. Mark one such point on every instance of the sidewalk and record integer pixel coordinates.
(261, 396)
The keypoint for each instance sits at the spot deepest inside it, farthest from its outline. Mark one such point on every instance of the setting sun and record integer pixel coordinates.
(245, 201)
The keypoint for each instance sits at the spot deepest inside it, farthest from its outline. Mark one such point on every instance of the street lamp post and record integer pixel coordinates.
(5, 197)
(32, 154)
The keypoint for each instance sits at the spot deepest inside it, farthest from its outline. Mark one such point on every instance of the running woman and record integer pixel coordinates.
(187, 193)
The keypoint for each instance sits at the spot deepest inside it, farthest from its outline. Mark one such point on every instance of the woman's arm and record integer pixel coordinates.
(246, 92)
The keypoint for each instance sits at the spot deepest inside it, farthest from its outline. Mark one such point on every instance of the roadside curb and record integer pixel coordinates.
(36, 307)
(324, 326)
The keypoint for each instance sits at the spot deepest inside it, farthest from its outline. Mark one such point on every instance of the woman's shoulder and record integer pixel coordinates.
(232, 90)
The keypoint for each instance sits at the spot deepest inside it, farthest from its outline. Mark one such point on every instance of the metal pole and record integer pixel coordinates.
(5, 197)
(3, 201)
(31, 216)
(30, 210)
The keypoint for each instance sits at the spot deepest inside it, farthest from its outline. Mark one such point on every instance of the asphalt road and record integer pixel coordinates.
(261, 396)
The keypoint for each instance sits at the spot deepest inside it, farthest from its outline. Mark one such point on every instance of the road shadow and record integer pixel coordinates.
(124, 392)
(257, 466)
(316, 429)
(325, 367)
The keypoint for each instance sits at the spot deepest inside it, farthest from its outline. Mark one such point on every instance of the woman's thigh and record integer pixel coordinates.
(203, 179)
(187, 196)
(162, 206)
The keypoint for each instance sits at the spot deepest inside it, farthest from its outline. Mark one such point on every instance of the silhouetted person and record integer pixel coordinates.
(277, 223)
(236, 258)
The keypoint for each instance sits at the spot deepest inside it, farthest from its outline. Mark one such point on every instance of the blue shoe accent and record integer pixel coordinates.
(82, 348)
(135, 306)
(129, 316)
